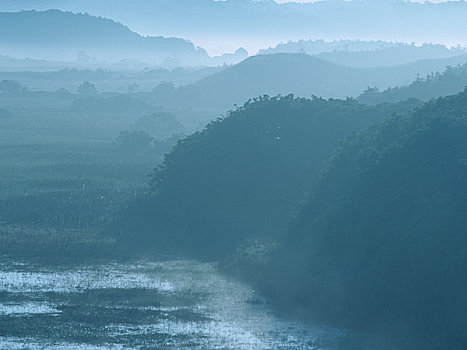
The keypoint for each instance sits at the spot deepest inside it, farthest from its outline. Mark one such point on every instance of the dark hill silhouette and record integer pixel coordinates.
(380, 244)
(242, 176)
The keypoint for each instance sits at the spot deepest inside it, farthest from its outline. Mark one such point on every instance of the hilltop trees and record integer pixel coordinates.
(87, 89)
(380, 243)
(11, 87)
(242, 177)
(375, 243)
(451, 81)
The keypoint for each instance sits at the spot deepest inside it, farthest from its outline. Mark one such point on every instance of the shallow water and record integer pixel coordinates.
(145, 305)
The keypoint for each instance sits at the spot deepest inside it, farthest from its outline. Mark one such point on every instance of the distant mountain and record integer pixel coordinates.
(300, 74)
(230, 58)
(394, 56)
(364, 54)
(451, 81)
(252, 22)
(315, 47)
(66, 36)
(15, 64)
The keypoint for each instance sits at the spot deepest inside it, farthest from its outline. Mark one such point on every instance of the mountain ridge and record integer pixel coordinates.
(60, 35)
(300, 74)
(256, 21)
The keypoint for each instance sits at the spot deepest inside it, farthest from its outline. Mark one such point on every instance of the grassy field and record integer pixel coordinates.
(65, 176)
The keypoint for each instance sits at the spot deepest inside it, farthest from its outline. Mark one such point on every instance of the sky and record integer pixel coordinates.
(239, 30)
(304, 1)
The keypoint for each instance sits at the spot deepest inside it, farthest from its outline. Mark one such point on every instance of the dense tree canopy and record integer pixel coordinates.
(380, 243)
(243, 175)
(10, 87)
(434, 85)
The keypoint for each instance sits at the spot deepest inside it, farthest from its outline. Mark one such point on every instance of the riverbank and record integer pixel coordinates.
(175, 304)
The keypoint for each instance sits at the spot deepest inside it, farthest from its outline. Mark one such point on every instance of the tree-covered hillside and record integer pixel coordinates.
(255, 21)
(394, 57)
(360, 54)
(297, 73)
(242, 177)
(451, 81)
(380, 245)
(300, 74)
(65, 36)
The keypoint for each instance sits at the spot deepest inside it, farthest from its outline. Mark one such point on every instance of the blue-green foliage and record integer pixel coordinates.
(380, 243)
(242, 176)
(451, 81)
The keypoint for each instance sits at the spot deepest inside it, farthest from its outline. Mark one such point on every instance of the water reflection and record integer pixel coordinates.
(144, 305)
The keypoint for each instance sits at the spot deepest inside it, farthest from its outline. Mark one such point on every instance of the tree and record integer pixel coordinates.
(133, 88)
(87, 88)
(134, 140)
(11, 86)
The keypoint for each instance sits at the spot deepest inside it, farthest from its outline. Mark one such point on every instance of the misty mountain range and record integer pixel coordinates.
(299, 74)
(65, 36)
(161, 187)
(90, 41)
(210, 23)
(359, 54)
(337, 69)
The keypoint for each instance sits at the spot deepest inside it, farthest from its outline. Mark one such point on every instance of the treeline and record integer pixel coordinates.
(358, 53)
(379, 244)
(434, 85)
(243, 176)
(370, 238)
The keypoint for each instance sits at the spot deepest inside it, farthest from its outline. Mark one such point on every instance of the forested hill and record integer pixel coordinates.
(300, 74)
(364, 54)
(242, 177)
(451, 81)
(380, 244)
(257, 21)
(61, 35)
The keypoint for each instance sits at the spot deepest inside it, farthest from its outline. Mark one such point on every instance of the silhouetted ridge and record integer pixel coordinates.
(242, 176)
(434, 85)
(380, 244)
(300, 74)
(67, 36)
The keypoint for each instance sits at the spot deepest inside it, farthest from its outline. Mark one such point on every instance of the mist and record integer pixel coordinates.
(234, 174)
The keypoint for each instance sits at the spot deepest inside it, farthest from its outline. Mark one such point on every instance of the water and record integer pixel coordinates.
(146, 305)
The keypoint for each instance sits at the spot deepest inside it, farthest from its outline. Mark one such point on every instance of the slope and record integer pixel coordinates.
(380, 243)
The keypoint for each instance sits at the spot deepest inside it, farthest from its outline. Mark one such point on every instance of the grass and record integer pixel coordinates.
(53, 245)
(63, 180)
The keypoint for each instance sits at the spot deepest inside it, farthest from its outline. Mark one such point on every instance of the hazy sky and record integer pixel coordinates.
(284, 1)
(220, 31)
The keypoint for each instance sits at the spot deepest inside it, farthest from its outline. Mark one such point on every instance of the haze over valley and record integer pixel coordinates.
(234, 174)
